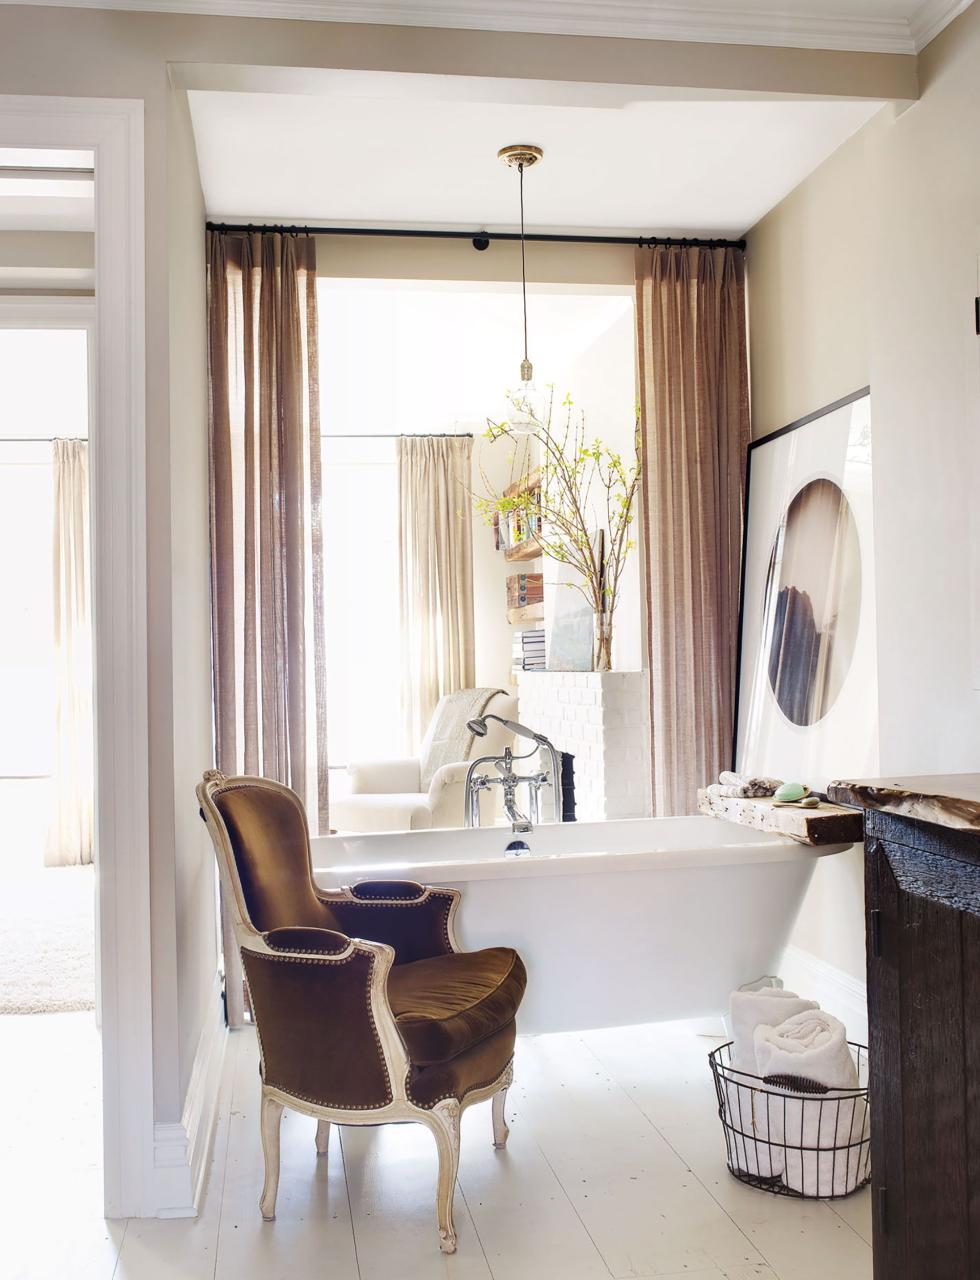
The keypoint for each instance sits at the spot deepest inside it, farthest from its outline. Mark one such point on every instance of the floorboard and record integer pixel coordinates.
(665, 1072)
(614, 1171)
(51, 1066)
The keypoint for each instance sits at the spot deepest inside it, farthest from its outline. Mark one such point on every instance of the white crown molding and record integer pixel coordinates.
(633, 19)
(932, 16)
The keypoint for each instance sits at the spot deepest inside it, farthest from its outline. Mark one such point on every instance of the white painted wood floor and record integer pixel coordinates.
(614, 1168)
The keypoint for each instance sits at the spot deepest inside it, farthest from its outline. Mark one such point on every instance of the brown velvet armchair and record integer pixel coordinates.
(365, 1008)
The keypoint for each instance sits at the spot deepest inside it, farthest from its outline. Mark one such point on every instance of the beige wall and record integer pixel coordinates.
(867, 273)
(808, 271)
(385, 258)
(190, 623)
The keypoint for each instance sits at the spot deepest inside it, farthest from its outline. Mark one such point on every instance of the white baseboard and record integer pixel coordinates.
(181, 1151)
(844, 996)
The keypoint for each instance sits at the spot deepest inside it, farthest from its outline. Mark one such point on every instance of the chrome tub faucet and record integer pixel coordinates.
(509, 780)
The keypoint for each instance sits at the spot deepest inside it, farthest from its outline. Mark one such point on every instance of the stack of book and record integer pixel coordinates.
(524, 589)
(529, 650)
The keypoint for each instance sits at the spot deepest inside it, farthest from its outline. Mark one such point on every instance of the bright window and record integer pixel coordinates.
(43, 394)
(402, 357)
(360, 534)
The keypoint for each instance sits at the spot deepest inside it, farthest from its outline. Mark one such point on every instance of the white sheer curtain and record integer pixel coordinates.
(70, 836)
(436, 583)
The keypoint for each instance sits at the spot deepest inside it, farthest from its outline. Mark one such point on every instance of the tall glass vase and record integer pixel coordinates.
(602, 647)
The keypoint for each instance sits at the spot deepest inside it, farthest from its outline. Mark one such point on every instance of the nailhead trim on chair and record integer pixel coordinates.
(427, 1106)
(319, 1102)
(298, 951)
(418, 898)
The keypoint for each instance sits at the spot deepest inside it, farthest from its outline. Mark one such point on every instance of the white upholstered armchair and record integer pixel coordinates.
(428, 790)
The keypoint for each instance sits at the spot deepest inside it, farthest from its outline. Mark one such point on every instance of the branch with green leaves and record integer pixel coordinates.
(577, 477)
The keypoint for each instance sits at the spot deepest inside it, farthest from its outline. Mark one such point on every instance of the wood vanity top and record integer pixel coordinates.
(946, 800)
(829, 824)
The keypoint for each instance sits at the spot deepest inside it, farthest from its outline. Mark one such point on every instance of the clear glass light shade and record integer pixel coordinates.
(529, 407)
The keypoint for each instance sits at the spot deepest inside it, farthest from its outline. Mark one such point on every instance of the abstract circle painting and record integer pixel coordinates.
(812, 601)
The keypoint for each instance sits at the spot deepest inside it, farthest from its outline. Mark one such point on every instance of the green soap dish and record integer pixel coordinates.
(790, 793)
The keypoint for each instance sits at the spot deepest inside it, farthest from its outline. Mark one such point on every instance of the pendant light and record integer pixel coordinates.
(521, 156)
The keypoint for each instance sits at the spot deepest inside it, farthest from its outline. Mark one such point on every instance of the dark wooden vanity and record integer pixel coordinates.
(922, 879)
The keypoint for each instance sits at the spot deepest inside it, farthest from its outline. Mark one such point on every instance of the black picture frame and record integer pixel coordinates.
(822, 412)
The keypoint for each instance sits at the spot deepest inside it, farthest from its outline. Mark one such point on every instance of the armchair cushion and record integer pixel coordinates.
(449, 1004)
(392, 811)
(474, 1069)
(379, 777)
(447, 795)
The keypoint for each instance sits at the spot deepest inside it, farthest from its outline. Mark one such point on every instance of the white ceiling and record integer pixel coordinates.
(877, 26)
(421, 150)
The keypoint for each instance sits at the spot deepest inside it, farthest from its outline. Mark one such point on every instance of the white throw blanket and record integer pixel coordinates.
(823, 1136)
(748, 1108)
(447, 739)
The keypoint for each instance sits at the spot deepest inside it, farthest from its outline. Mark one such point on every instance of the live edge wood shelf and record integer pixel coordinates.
(830, 824)
(922, 894)
(526, 550)
(525, 613)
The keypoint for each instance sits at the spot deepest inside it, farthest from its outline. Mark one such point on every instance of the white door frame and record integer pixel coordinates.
(113, 129)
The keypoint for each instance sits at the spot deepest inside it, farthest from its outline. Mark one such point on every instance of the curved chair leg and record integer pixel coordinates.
(500, 1130)
(443, 1120)
(322, 1137)
(270, 1121)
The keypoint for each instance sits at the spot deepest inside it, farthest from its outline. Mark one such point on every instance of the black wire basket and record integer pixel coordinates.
(791, 1136)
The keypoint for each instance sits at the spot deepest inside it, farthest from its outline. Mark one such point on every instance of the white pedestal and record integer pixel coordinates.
(602, 718)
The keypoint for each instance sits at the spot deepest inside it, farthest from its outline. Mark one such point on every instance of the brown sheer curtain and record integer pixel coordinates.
(435, 546)
(266, 539)
(694, 410)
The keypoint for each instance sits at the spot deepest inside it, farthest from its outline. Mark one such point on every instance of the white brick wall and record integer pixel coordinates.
(602, 718)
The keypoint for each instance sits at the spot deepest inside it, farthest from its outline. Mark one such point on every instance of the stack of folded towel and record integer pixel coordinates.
(748, 1109)
(737, 786)
(815, 1143)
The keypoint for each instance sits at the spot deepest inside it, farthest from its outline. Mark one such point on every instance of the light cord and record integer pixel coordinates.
(520, 170)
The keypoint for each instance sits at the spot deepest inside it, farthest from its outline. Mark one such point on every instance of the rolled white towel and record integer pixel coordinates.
(747, 1107)
(747, 1117)
(745, 785)
(823, 1137)
(769, 1007)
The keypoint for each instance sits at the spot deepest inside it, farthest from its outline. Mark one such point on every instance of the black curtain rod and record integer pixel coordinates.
(480, 239)
(39, 440)
(396, 435)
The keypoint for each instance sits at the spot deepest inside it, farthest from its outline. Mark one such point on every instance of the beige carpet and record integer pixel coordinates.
(47, 941)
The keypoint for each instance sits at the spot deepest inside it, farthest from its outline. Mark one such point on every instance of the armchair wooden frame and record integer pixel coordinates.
(443, 1118)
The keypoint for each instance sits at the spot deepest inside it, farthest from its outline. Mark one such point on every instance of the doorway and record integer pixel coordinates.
(112, 132)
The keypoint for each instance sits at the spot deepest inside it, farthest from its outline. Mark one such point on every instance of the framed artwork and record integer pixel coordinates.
(570, 622)
(807, 697)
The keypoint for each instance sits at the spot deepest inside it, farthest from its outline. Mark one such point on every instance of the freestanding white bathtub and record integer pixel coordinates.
(618, 922)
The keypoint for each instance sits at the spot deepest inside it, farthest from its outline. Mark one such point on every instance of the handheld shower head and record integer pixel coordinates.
(479, 727)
